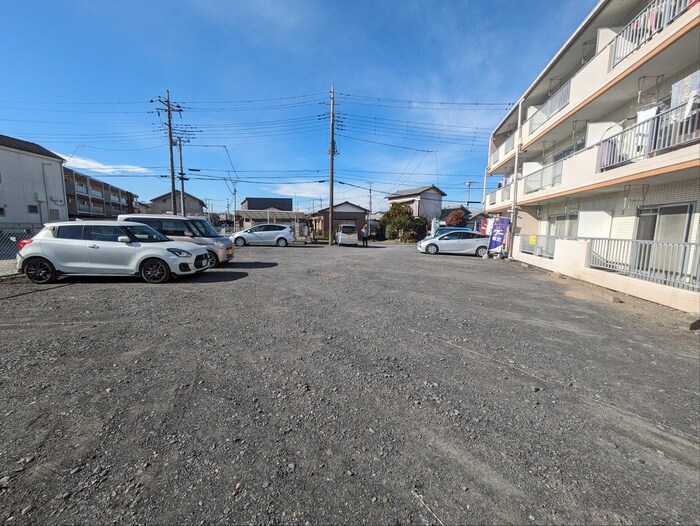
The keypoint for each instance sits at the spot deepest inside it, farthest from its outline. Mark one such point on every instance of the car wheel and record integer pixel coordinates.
(155, 271)
(431, 249)
(213, 260)
(239, 241)
(281, 242)
(481, 251)
(40, 271)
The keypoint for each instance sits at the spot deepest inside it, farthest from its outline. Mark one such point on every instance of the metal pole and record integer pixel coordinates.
(514, 183)
(182, 179)
(331, 151)
(170, 149)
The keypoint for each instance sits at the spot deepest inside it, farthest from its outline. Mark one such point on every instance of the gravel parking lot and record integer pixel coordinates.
(317, 385)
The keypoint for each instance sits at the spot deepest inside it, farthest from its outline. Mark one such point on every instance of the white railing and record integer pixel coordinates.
(79, 188)
(495, 156)
(509, 143)
(670, 129)
(542, 246)
(505, 192)
(653, 19)
(673, 264)
(492, 198)
(548, 176)
(555, 103)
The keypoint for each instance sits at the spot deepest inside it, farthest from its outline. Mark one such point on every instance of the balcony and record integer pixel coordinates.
(83, 207)
(652, 20)
(554, 104)
(672, 264)
(669, 130)
(81, 189)
(548, 176)
(99, 194)
(599, 73)
(503, 150)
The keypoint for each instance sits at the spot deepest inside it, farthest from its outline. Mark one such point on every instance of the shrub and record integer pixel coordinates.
(456, 218)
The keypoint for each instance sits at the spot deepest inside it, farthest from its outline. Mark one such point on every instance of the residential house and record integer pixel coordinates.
(32, 190)
(345, 213)
(446, 211)
(162, 204)
(267, 203)
(599, 160)
(88, 197)
(423, 201)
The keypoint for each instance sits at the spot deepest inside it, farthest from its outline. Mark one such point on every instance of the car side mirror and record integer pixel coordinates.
(124, 239)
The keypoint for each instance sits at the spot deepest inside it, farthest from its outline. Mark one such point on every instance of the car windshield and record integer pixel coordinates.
(145, 234)
(202, 228)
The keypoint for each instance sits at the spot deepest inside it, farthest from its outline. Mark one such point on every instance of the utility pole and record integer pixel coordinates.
(469, 192)
(332, 153)
(169, 110)
(369, 219)
(182, 179)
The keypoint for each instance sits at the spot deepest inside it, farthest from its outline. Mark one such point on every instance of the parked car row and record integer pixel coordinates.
(107, 248)
(156, 247)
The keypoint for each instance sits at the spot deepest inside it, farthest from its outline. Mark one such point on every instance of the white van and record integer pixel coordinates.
(188, 228)
(346, 235)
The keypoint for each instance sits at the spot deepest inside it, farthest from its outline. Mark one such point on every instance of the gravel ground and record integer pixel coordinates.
(319, 385)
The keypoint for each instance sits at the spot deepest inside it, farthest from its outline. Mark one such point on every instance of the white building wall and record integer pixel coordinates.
(28, 179)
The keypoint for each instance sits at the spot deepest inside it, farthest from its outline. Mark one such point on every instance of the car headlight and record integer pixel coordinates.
(219, 244)
(180, 253)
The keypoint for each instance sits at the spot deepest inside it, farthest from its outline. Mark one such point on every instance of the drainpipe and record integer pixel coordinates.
(514, 184)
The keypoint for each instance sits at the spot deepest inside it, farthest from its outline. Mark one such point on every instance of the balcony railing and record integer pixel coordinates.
(495, 156)
(492, 198)
(81, 189)
(653, 19)
(97, 193)
(555, 103)
(673, 264)
(542, 246)
(505, 192)
(83, 208)
(509, 143)
(671, 129)
(548, 176)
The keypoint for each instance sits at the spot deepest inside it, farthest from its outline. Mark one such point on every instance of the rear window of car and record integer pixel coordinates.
(348, 229)
(70, 232)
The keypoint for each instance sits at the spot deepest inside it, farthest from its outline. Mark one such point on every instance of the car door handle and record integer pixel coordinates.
(93, 246)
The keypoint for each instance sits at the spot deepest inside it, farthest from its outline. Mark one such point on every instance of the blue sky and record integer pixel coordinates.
(419, 86)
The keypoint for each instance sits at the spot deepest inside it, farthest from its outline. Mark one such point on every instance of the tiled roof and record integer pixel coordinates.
(415, 191)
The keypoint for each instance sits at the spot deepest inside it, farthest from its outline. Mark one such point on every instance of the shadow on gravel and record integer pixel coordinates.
(251, 264)
(39, 288)
(217, 276)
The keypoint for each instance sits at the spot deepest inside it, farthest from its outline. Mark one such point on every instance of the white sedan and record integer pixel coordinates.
(456, 242)
(107, 248)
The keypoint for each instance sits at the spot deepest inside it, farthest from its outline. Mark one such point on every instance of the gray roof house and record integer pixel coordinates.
(424, 200)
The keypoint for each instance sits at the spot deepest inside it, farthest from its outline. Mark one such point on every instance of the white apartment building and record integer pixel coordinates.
(32, 190)
(600, 158)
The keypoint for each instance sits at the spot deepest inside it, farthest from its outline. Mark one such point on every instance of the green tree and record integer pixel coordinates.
(399, 223)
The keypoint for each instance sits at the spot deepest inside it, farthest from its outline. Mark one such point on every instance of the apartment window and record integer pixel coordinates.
(564, 226)
(32, 209)
(664, 222)
(53, 214)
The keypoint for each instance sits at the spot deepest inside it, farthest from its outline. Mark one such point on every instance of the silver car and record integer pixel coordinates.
(269, 234)
(107, 248)
(456, 242)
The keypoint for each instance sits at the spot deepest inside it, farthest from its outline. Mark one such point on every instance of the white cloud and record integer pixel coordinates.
(83, 163)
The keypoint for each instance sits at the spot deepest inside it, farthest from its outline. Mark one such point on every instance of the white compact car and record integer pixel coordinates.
(269, 234)
(456, 242)
(346, 235)
(107, 248)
